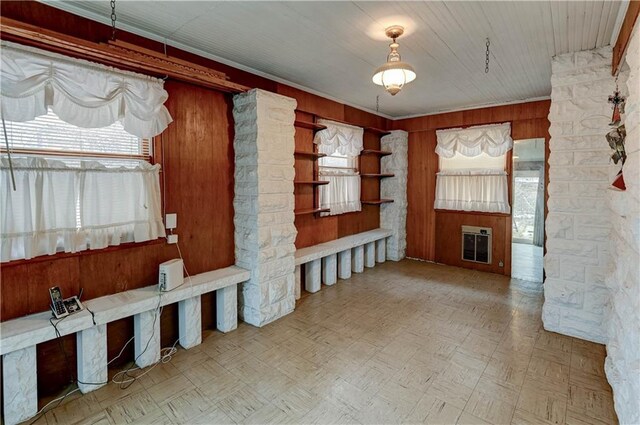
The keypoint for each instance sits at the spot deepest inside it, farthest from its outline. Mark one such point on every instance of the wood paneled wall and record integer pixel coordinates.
(198, 186)
(313, 229)
(197, 156)
(436, 235)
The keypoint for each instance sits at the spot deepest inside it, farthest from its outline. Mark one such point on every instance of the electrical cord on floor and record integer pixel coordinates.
(166, 353)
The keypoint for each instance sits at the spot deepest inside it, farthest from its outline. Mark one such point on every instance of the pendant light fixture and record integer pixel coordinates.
(394, 74)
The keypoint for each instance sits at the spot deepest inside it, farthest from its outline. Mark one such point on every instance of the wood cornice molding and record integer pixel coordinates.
(118, 54)
(630, 19)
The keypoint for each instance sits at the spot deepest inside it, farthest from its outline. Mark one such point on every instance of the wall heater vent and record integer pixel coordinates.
(476, 244)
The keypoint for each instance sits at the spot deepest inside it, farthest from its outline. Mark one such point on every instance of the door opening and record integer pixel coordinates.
(528, 210)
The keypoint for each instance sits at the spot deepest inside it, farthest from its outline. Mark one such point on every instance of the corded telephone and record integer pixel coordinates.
(61, 307)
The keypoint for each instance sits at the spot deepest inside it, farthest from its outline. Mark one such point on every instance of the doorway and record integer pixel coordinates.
(527, 240)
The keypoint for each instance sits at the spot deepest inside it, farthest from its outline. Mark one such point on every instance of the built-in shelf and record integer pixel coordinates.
(310, 125)
(377, 201)
(311, 154)
(311, 211)
(311, 182)
(378, 131)
(376, 175)
(375, 152)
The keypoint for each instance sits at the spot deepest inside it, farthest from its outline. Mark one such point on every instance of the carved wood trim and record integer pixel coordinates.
(118, 54)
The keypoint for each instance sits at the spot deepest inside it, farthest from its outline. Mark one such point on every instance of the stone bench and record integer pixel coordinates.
(325, 262)
(18, 337)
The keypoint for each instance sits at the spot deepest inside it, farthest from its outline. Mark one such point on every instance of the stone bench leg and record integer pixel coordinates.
(227, 308)
(370, 254)
(312, 276)
(381, 250)
(19, 385)
(298, 284)
(357, 259)
(92, 358)
(344, 264)
(190, 321)
(146, 330)
(330, 269)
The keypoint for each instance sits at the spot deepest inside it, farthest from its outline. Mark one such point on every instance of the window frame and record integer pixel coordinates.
(155, 150)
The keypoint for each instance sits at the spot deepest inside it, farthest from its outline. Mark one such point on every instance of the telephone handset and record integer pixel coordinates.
(61, 307)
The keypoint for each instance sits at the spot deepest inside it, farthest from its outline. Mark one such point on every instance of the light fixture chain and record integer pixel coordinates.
(486, 60)
(377, 103)
(113, 20)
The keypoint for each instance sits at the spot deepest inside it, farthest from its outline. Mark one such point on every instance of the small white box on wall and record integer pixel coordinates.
(170, 275)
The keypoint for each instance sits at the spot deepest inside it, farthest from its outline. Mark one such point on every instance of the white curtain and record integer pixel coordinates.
(80, 92)
(494, 140)
(477, 190)
(342, 138)
(472, 173)
(56, 207)
(342, 194)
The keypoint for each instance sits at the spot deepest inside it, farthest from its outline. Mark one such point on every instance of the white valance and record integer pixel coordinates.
(472, 190)
(80, 92)
(342, 138)
(494, 140)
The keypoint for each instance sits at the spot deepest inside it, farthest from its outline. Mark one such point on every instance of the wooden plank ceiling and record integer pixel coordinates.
(332, 48)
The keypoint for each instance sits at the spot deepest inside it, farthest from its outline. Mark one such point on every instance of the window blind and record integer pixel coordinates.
(48, 135)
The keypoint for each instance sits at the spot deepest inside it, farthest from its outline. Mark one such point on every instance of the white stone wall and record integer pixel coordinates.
(393, 216)
(264, 203)
(578, 225)
(623, 280)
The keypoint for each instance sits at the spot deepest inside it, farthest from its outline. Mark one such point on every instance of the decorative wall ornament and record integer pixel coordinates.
(616, 137)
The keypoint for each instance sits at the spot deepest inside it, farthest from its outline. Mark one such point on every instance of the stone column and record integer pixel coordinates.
(190, 321)
(227, 308)
(312, 282)
(146, 341)
(357, 259)
(622, 365)
(330, 269)
(578, 224)
(381, 250)
(370, 254)
(92, 358)
(19, 385)
(393, 216)
(344, 264)
(264, 203)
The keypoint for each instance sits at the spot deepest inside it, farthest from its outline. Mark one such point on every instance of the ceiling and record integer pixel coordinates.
(332, 48)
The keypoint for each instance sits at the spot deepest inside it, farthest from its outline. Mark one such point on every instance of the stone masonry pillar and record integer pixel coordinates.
(264, 203)
(393, 216)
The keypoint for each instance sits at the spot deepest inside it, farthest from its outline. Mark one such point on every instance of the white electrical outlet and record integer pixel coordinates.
(172, 238)
(171, 221)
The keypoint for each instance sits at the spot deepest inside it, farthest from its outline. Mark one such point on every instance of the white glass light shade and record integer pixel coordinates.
(393, 75)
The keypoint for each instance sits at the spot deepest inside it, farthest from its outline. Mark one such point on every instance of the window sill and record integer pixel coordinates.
(494, 214)
(62, 255)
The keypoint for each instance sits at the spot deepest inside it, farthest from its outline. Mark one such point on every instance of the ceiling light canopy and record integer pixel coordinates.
(394, 74)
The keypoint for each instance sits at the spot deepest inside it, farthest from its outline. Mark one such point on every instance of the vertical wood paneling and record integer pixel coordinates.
(436, 235)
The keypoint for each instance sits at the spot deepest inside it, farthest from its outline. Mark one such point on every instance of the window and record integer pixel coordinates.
(342, 143)
(76, 188)
(49, 136)
(472, 173)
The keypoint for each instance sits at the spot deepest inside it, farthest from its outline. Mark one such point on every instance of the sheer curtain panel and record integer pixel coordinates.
(80, 92)
(343, 144)
(56, 207)
(472, 173)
